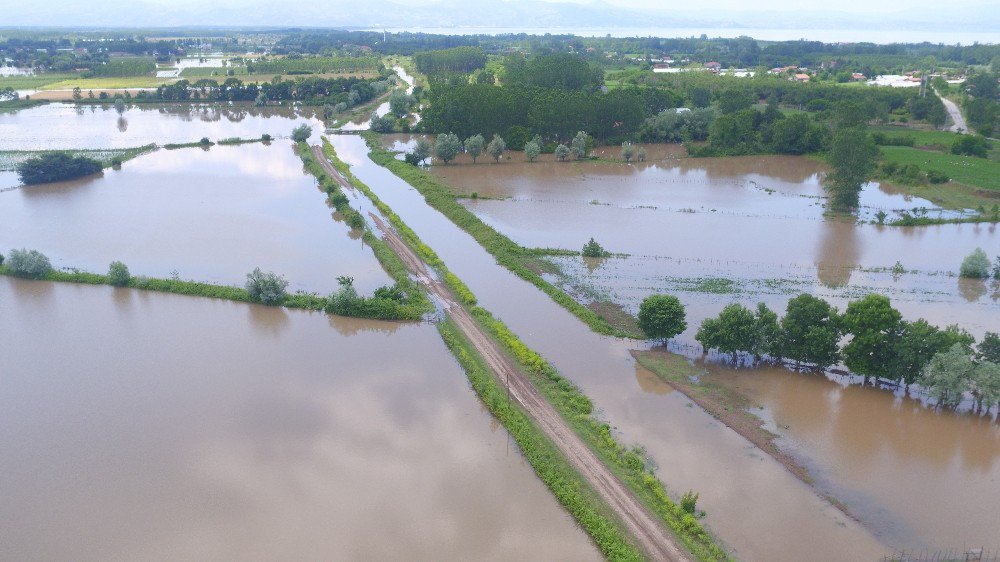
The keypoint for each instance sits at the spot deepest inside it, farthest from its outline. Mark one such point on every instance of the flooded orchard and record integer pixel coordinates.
(210, 215)
(171, 427)
(755, 506)
(716, 231)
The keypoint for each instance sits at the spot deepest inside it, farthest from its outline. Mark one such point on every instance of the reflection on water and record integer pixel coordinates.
(838, 253)
(885, 454)
(183, 432)
(212, 215)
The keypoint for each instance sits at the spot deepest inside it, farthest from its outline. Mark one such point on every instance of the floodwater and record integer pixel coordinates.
(716, 231)
(757, 507)
(149, 426)
(210, 215)
(66, 126)
(363, 122)
(886, 454)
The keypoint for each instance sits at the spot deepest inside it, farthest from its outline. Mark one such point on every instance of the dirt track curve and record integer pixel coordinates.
(651, 535)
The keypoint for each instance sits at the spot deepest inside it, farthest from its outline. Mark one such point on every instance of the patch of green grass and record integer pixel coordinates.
(969, 170)
(507, 252)
(11, 158)
(17, 105)
(35, 81)
(107, 83)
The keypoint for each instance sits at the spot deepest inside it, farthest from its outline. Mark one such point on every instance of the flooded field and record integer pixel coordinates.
(363, 121)
(139, 425)
(755, 506)
(209, 215)
(885, 454)
(748, 230)
(65, 126)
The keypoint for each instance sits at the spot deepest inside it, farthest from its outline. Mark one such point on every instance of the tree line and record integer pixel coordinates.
(455, 59)
(349, 90)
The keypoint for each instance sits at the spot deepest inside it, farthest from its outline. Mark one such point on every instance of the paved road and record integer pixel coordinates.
(958, 122)
(657, 542)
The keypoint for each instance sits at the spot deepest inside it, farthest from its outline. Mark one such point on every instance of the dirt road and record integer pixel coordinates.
(649, 533)
(958, 124)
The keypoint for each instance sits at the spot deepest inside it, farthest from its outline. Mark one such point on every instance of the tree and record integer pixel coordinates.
(875, 328)
(661, 316)
(119, 105)
(767, 333)
(971, 145)
(28, 263)
(985, 385)
(383, 124)
(919, 341)
(562, 153)
(976, 265)
(594, 250)
(809, 331)
(447, 147)
(118, 274)
(732, 332)
(852, 156)
(77, 93)
(532, 150)
(400, 103)
(948, 375)
(496, 147)
(640, 154)
(578, 146)
(301, 133)
(267, 288)
(421, 151)
(55, 166)
(474, 146)
(628, 151)
(735, 99)
(989, 348)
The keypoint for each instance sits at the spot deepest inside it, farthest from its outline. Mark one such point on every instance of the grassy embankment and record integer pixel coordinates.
(16, 105)
(629, 464)
(523, 262)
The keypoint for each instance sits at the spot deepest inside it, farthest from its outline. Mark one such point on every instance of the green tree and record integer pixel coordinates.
(628, 151)
(118, 274)
(732, 100)
(948, 375)
(532, 150)
(853, 156)
(496, 148)
(119, 105)
(28, 263)
(447, 147)
(301, 133)
(55, 166)
(562, 153)
(985, 385)
(661, 316)
(77, 93)
(474, 146)
(971, 145)
(400, 103)
(732, 332)
(810, 331)
(919, 341)
(594, 250)
(267, 288)
(989, 348)
(874, 326)
(976, 265)
(421, 150)
(578, 146)
(767, 333)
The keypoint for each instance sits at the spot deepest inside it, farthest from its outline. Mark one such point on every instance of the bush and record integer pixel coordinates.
(204, 141)
(267, 288)
(934, 176)
(594, 250)
(661, 316)
(976, 265)
(266, 137)
(302, 133)
(971, 145)
(118, 274)
(29, 263)
(689, 502)
(56, 166)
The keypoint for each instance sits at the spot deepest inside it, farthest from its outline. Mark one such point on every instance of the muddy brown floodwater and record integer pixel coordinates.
(211, 215)
(758, 509)
(716, 231)
(137, 425)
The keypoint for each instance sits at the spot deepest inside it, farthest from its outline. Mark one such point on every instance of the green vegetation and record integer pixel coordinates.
(661, 317)
(266, 288)
(509, 254)
(594, 250)
(853, 156)
(202, 143)
(301, 133)
(388, 303)
(444, 61)
(738, 329)
(55, 166)
(447, 147)
(10, 106)
(976, 265)
(315, 65)
(123, 66)
(9, 159)
(28, 263)
(118, 274)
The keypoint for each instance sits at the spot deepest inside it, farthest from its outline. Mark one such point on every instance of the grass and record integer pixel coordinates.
(16, 105)
(176, 145)
(107, 83)
(629, 464)
(572, 491)
(507, 253)
(237, 140)
(977, 173)
(34, 81)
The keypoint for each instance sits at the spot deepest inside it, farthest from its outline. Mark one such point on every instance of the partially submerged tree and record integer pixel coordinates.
(579, 145)
(562, 152)
(809, 331)
(267, 288)
(474, 146)
(301, 133)
(532, 149)
(421, 151)
(118, 274)
(28, 263)
(496, 147)
(976, 265)
(594, 250)
(628, 151)
(661, 317)
(875, 328)
(853, 155)
(948, 375)
(55, 166)
(447, 147)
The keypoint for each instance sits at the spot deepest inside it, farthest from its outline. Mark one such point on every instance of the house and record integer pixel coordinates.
(713, 66)
(801, 78)
(857, 76)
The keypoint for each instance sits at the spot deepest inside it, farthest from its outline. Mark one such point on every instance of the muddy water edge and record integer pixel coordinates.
(758, 508)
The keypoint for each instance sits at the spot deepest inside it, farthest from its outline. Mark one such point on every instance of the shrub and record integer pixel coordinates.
(971, 145)
(301, 133)
(56, 166)
(267, 288)
(689, 502)
(266, 137)
(204, 141)
(934, 176)
(594, 250)
(661, 316)
(976, 265)
(29, 263)
(118, 274)
(116, 162)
